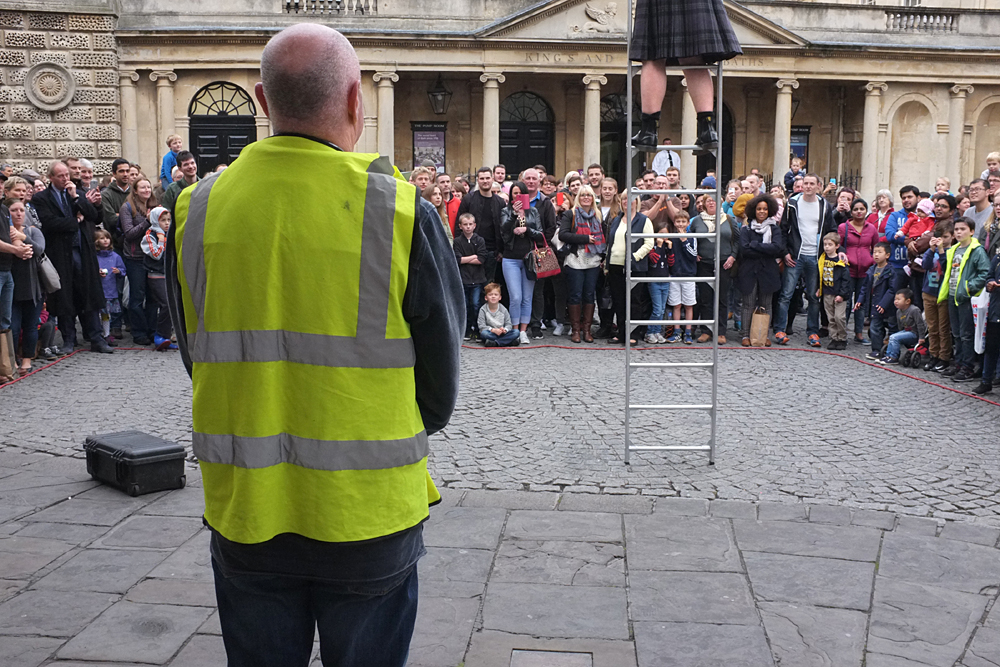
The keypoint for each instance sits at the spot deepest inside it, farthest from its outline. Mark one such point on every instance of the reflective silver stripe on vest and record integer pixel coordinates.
(369, 349)
(247, 452)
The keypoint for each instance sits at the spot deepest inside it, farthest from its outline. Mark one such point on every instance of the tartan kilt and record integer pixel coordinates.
(674, 29)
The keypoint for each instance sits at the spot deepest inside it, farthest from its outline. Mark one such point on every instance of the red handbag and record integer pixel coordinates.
(543, 261)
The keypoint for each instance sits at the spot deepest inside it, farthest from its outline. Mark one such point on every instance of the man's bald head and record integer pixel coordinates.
(307, 72)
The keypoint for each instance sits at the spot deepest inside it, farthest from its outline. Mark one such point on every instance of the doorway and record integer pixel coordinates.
(223, 123)
(527, 133)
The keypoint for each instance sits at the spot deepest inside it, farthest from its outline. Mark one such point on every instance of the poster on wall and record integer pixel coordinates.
(800, 142)
(428, 144)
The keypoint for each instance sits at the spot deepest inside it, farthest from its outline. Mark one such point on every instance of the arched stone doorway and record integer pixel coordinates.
(987, 137)
(912, 145)
(222, 124)
(527, 133)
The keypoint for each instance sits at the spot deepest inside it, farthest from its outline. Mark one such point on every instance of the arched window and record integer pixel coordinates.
(525, 107)
(613, 109)
(221, 98)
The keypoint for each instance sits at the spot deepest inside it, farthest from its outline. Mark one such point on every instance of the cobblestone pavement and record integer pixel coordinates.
(93, 577)
(794, 426)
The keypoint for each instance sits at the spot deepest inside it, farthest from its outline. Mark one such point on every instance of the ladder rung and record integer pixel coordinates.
(675, 235)
(656, 323)
(672, 279)
(633, 192)
(670, 407)
(672, 364)
(677, 68)
(669, 448)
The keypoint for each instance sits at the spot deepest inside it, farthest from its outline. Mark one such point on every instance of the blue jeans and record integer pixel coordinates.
(859, 317)
(24, 326)
(879, 326)
(807, 268)
(141, 311)
(6, 298)
(899, 340)
(521, 290)
(658, 293)
(502, 340)
(473, 296)
(270, 620)
(581, 285)
(963, 331)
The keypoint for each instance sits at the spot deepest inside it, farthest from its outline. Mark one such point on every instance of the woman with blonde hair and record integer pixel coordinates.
(433, 194)
(581, 229)
(882, 207)
(18, 189)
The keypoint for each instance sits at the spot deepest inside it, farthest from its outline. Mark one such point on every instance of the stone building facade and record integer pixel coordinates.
(59, 96)
(880, 93)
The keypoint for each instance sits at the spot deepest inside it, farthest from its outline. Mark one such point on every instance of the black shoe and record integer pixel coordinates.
(604, 331)
(62, 351)
(647, 137)
(962, 376)
(515, 342)
(117, 333)
(48, 355)
(101, 346)
(977, 370)
(490, 343)
(940, 366)
(983, 388)
(536, 332)
(707, 140)
(931, 363)
(142, 340)
(949, 371)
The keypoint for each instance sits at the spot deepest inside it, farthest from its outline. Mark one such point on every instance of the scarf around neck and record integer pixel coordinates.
(587, 223)
(709, 221)
(763, 228)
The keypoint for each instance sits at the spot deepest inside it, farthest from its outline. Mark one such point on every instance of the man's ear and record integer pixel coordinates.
(258, 92)
(356, 109)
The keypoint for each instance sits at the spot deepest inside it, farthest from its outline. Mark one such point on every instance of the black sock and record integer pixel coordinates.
(654, 117)
(708, 116)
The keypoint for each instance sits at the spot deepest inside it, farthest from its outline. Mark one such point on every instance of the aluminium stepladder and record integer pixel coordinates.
(631, 281)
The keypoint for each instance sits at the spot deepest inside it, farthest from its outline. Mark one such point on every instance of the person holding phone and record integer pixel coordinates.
(521, 229)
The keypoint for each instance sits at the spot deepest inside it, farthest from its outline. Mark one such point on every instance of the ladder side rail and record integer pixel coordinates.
(629, 184)
(714, 417)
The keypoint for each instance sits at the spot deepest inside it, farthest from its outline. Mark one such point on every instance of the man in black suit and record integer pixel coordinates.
(68, 222)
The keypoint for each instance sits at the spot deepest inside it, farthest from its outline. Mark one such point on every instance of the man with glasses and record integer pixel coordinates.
(979, 198)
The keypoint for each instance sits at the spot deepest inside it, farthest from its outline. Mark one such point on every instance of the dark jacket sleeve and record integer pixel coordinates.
(547, 217)
(110, 214)
(131, 231)
(890, 291)
(434, 306)
(90, 214)
(842, 278)
(506, 225)
(978, 269)
(566, 231)
(52, 218)
(174, 301)
(536, 228)
(866, 290)
(480, 245)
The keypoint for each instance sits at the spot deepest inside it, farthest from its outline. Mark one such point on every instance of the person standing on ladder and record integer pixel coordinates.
(321, 327)
(680, 32)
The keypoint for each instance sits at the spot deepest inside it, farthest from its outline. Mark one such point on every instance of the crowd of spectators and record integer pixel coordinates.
(919, 279)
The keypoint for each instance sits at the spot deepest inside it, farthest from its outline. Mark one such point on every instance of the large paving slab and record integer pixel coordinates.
(51, 613)
(697, 597)
(681, 543)
(102, 570)
(808, 539)
(803, 635)
(576, 526)
(950, 564)
(820, 581)
(469, 527)
(558, 562)
(545, 610)
(705, 645)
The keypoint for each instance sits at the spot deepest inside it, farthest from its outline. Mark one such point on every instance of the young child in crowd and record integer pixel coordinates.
(495, 326)
(912, 330)
(918, 222)
(174, 143)
(685, 265)
(470, 251)
(877, 293)
(661, 258)
(834, 289)
(991, 356)
(966, 269)
(936, 314)
(111, 267)
(153, 245)
(992, 164)
(47, 348)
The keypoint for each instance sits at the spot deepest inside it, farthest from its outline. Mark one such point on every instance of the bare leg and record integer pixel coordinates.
(699, 85)
(654, 85)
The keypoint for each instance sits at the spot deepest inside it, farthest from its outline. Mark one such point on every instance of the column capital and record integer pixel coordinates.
(596, 80)
(127, 77)
(876, 88)
(790, 84)
(961, 90)
(389, 77)
(163, 77)
(492, 79)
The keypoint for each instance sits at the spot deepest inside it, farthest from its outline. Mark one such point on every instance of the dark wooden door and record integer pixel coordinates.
(523, 145)
(218, 140)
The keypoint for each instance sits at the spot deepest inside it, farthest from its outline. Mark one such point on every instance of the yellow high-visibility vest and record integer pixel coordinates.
(293, 264)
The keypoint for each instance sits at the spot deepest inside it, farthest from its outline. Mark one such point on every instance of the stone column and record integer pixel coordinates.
(164, 108)
(956, 130)
(869, 138)
(592, 118)
(130, 115)
(182, 126)
(783, 127)
(689, 134)
(491, 116)
(386, 113)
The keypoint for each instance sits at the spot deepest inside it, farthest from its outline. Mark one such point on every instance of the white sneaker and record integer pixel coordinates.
(660, 338)
(524, 338)
(651, 339)
(559, 329)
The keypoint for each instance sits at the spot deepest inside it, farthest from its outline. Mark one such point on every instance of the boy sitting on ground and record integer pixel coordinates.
(495, 326)
(912, 330)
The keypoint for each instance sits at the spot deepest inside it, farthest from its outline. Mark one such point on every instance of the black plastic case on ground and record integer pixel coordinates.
(135, 462)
